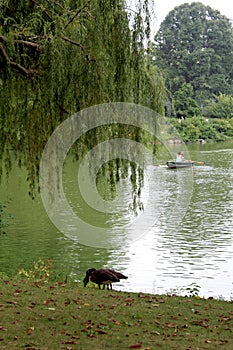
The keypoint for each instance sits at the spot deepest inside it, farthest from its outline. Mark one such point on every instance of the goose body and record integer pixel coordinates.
(103, 277)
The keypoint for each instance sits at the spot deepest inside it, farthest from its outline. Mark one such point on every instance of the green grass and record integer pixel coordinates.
(67, 316)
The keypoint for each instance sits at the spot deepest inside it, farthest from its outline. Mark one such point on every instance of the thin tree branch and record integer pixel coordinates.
(4, 54)
(24, 71)
(77, 13)
(31, 44)
(56, 3)
(72, 42)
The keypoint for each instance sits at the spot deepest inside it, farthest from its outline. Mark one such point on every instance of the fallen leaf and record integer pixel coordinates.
(155, 332)
(17, 291)
(116, 322)
(30, 330)
(101, 331)
(225, 319)
(75, 337)
(11, 302)
(129, 299)
(136, 346)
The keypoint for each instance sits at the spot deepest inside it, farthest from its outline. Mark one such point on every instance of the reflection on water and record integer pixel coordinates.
(191, 239)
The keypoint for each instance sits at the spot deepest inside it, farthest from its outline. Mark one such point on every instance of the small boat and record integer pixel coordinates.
(174, 165)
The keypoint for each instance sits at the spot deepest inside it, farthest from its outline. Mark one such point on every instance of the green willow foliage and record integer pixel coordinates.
(58, 57)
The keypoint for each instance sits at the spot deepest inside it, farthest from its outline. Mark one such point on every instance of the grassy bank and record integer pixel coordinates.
(66, 316)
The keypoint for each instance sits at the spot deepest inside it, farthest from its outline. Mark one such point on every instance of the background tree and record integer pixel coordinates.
(221, 107)
(184, 103)
(194, 45)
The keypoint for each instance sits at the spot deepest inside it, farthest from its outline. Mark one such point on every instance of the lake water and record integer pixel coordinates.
(189, 238)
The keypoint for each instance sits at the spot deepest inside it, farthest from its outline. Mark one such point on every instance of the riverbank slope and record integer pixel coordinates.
(51, 316)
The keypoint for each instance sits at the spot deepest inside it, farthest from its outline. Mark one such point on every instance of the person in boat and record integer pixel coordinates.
(180, 157)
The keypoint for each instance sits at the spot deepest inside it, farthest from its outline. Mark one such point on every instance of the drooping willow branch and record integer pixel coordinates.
(30, 44)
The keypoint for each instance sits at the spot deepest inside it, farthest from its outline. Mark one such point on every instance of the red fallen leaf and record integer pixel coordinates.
(136, 346)
(73, 342)
(1, 339)
(17, 291)
(101, 331)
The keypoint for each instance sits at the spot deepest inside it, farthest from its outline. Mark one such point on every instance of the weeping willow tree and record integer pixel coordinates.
(58, 57)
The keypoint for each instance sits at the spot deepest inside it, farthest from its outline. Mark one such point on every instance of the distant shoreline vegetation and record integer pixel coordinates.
(193, 48)
(200, 129)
